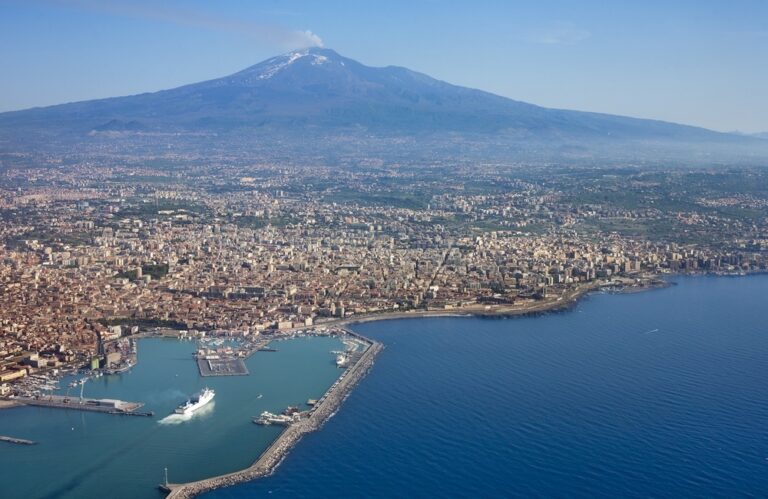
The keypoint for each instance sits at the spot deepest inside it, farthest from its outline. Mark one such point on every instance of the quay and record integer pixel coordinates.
(20, 441)
(107, 406)
(265, 465)
(229, 366)
(148, 414)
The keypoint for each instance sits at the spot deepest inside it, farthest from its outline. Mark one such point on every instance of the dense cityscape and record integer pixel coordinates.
(92, 254)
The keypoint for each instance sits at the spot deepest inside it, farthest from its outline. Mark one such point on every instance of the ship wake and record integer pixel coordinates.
(173, 419)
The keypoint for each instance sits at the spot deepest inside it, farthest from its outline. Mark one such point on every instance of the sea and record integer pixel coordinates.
(660, 393)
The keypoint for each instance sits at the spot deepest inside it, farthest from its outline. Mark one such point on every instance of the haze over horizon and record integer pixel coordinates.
(689, 63)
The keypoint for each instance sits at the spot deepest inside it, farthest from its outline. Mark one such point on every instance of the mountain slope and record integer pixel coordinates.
(320, 90)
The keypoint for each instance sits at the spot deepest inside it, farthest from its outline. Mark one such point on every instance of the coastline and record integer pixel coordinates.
(564, 302)
(270, 459)
(7, 404)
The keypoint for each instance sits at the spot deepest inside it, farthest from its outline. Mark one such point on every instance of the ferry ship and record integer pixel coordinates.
(197, 401)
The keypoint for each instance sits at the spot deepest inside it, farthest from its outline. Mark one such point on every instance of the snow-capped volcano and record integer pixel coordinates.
(271, 67)
(319, 89)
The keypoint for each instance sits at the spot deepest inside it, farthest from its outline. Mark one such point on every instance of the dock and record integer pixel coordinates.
(19, 441)
(107, 406)
(274, 454)
(230, 366)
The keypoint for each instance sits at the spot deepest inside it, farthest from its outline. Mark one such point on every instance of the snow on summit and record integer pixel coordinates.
(277, 64)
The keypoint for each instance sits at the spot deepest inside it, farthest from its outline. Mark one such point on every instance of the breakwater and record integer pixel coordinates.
(275, 453)
(13, 440)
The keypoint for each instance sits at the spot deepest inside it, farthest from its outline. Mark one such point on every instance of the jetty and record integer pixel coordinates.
(19, 441)
(229, 366)
(232, 364)
(324, 408)
(107, 406)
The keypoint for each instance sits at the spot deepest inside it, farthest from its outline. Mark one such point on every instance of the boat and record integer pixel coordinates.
(197, 401)
(341, 360)
(268, 418)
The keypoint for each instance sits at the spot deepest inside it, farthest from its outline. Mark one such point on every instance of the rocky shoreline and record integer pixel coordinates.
(565, 302)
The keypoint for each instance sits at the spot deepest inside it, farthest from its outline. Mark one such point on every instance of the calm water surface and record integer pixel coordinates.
(657, 394)
(89, 455)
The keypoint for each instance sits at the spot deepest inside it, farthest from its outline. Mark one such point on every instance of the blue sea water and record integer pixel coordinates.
(655, 394)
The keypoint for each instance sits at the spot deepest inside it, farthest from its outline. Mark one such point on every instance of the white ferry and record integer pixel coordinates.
(197, 401)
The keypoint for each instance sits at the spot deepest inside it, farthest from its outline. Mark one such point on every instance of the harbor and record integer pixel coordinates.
(214, 358)
(300, 423)
(217, 439)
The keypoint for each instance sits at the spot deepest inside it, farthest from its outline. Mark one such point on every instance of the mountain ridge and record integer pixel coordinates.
(320, 91)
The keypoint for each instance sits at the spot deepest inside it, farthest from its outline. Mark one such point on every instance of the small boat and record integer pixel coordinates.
(267, 418)
(341, 360)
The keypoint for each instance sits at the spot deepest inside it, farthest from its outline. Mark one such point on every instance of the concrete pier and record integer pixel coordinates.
(234, 366)
(108, 406)
(20, 441)
(271, 458)
(231, 365)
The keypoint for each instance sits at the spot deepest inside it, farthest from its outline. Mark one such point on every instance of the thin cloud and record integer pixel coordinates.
(559, 34)
(269, 34)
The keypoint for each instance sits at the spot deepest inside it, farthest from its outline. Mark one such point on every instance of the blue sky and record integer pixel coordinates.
(699, 62)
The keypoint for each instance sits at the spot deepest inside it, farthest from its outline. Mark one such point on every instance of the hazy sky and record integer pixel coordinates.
(701, 62)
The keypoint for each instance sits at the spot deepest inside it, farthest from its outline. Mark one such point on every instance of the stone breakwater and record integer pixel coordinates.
(275, 453)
